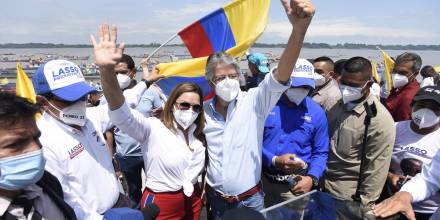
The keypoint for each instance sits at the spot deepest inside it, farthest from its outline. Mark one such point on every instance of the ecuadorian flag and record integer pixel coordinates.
(233, 28)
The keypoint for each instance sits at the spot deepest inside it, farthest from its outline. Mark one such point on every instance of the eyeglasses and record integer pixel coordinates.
(221, 78)
(186, 106)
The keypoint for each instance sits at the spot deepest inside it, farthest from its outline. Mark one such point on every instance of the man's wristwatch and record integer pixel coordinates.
(146, 82)
(315, 181)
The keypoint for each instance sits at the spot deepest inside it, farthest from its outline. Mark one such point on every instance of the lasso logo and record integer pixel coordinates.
(66, 72)
(304, 68)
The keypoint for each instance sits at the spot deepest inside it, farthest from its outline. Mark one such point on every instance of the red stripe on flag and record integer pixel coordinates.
(196, 40)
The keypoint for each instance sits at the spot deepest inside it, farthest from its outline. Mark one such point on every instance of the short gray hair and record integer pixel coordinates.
(410, 57)
(219, 58)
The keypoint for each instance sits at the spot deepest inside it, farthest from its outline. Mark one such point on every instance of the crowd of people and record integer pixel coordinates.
(263, 139)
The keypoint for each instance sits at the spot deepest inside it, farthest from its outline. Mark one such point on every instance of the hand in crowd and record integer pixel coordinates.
(286, 163)
(107, 53)
(154, 76)
(304, 184)
(300, 13)
(157, 112)
(400, 202)
(394, 180)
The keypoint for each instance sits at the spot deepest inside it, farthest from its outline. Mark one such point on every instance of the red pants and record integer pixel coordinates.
(175, 205)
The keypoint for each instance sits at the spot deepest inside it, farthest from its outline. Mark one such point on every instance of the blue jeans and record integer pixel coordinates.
(219, 206)
(132, 167)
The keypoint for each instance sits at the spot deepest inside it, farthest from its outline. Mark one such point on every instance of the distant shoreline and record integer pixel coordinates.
(257, 45)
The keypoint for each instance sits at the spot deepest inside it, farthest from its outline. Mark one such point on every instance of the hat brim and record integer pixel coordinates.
(425, 97)
(73, 92)
(263, 69)
(302, 81)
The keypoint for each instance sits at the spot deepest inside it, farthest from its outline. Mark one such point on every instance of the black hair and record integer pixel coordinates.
(428, 71)
(359, 65)
(128, 60)
(324, 59)
(410, 57)
(339, 66)
(13, 109)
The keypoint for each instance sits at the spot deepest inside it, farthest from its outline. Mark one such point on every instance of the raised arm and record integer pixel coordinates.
(107, 55)
(300, 14)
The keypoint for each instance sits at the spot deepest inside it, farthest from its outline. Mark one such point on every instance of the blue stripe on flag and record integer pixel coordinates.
(219, 31)
(168, 84)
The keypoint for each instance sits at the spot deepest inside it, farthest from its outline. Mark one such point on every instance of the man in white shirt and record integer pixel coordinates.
(73, 142)
(235, 120)
(420, 141)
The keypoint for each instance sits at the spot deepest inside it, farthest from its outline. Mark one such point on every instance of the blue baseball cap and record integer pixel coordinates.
(61, 78)
(303, 74)
(260, 60)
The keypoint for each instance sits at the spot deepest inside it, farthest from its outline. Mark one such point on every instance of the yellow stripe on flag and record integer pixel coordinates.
(375, 73)
(247, 18)
(437, 69)
(24, 87)
(389, 65)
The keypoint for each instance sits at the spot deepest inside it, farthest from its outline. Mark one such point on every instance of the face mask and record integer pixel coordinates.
(399, 80)
(74, 114)
(319, 79)
(425, 118)
(123, 80)
(350, 94)
(227, 89)
(185, 118)
(18, 172)
(297, 95)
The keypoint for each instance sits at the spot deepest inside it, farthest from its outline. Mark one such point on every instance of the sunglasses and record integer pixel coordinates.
(186, 106)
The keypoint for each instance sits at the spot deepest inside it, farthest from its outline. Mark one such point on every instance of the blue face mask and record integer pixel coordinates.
(18, 172)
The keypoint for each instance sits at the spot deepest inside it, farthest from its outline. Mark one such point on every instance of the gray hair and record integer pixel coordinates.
(219, 58)
(410, 57)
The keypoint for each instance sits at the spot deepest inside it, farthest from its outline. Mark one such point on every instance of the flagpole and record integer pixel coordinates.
(165, 43)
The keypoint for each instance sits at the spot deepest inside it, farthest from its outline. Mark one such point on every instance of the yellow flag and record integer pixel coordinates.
(24, 87)
(375, 73)
(389, 65)
(437, 69)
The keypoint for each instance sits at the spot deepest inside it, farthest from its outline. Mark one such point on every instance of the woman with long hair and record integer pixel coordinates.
(173, 148)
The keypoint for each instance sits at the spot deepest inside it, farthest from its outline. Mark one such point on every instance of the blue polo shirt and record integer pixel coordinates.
(300, 130)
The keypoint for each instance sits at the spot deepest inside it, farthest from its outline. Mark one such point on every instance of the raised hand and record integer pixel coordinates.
(107, 53)
(154, 76)
(300, 13)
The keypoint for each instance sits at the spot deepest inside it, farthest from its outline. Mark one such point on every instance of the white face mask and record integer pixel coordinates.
(350, 94)
(297, 95)
(185, 118)
(399, 80)
(123, 80)
(227, 89)
(319, 79)
(74, 114)
(425, 118)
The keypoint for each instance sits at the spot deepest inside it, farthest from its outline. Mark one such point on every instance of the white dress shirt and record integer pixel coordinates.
(81, 160)
(170, 165)
(426, 183)
(235, 143)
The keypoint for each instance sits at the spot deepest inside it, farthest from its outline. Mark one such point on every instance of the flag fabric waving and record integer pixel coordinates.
(437, 69)
(389, 65)
(24, 87)
(375, 73)
(233, 28)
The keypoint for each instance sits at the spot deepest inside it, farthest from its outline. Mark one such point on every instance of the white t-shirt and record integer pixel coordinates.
(421, 147)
